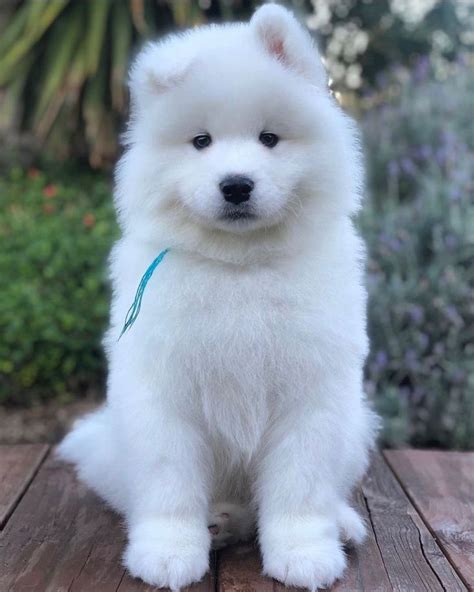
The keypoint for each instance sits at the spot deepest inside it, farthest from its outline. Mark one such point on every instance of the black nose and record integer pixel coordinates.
(236, 188)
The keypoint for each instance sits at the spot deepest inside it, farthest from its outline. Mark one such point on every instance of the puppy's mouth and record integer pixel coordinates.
(237, 215)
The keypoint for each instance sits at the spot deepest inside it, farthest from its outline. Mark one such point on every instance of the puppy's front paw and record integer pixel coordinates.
(168, 554)
(303, 555)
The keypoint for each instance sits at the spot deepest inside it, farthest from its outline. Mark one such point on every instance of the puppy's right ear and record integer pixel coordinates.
(282, 37)
(158, 68)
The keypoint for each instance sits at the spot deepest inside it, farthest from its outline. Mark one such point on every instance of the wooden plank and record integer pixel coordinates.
(441, 486)
(62, 538)
(129, 584)
(399, 554)
(366, 570)
(240, 567)
(18, 465)
(412, 558)
(239, 570)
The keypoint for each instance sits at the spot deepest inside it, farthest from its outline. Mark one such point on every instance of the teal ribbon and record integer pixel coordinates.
(134, 310)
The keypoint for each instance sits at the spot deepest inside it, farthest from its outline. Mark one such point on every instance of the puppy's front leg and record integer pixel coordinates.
(166, 468)
(299, 487)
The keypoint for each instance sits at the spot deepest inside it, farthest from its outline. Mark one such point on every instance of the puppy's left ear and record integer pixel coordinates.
(158, 68)
(285, 39)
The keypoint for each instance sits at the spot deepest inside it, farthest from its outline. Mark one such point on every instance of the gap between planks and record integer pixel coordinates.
(19, 464)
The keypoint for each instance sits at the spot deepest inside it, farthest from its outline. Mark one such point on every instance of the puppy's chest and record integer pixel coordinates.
(223, 323)
(230, 343)
(232, 320)
(232, 335)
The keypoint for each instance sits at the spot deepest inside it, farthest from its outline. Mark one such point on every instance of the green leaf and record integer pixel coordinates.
(96, 32)
(121, 49)
(32, 34)
(61, 47)
(14, 29)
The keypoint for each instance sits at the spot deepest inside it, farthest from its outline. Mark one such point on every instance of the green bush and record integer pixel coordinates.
(53, 303)
(419, 224)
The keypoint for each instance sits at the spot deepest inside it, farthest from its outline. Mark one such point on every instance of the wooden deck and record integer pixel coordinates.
(57, 536)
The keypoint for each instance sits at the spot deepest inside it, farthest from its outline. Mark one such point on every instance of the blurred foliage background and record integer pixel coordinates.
(403, 68)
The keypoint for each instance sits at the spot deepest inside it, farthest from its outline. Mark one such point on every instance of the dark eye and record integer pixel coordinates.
(201, 141)
(268, 139)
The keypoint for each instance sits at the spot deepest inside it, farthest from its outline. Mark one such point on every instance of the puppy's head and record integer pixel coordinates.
(233, 130)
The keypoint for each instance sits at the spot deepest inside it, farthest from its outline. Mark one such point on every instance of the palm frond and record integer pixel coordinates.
(32, 32)
(59, 55)
(122, 38)
(97, 13)
(65, 62)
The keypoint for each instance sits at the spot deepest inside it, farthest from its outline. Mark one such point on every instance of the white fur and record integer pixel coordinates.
(241, 381)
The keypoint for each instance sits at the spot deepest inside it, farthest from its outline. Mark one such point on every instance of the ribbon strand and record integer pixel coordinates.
(134, 310)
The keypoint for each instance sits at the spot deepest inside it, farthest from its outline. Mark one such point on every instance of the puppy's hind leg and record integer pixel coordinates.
(230, 523)
(90, 447)
(351, 526)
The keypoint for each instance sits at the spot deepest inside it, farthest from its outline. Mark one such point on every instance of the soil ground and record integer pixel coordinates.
(41, 423)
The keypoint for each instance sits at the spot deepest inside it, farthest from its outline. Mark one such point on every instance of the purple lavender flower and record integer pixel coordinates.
(458, 375)
(447, 137)
(424, 340)
(416, 313)
(408, 166)
(394, 244)
(381, 359)
(421, 69)
(417, 394)
(393, 168)
(426, 151)
(451, 241)
(411, 359)
(454, 194)
(382, 80)
(441, 155)
(404, 392)
(453, 315)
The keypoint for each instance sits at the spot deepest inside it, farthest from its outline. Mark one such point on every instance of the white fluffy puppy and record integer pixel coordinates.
(235, 400)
